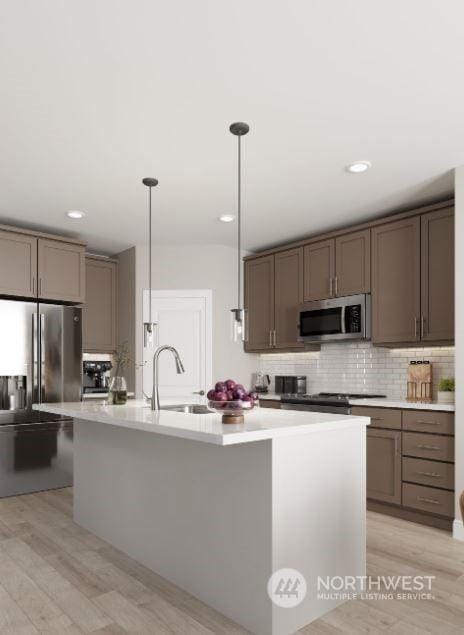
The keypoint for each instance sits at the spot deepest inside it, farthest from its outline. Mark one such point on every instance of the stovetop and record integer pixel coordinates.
(328, 398)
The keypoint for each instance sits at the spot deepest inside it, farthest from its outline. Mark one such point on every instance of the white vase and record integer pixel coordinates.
(445, 396)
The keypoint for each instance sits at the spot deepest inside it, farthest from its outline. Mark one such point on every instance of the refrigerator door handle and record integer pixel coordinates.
(35, 361)
(42, 358)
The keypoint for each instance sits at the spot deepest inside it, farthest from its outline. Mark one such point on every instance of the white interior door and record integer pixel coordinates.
(183, 320)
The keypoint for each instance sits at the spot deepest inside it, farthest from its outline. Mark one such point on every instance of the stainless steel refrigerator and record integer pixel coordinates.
(40, 361)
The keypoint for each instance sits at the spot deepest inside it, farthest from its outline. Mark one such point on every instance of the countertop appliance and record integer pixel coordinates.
(290, 384)
(40, 361)
(335, 319)
(96, 377)
(261, 382)
(335, 402)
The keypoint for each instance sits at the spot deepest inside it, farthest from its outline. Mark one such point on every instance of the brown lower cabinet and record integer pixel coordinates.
(410, 463)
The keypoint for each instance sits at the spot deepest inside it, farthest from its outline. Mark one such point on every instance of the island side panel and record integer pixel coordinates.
(319, 514)
(198, 514)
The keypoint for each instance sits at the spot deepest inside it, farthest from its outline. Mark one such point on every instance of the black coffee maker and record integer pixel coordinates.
(96, 377)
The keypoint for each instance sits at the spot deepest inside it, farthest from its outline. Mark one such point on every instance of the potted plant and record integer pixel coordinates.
(446, 390)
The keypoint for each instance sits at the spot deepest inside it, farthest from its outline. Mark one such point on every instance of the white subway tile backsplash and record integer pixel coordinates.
(359, 367)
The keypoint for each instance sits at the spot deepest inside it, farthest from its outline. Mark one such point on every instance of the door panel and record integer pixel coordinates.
(319, 270)
(384, 465)
(259, 301)
(18, 265)
(61, 353)
(353, 263)
(99, 312)
(61, 271)
(437, 271)
(396, 282)
(182, 322)
(288, 296)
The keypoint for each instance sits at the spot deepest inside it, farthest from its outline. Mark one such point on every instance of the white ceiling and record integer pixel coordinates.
(96, 95)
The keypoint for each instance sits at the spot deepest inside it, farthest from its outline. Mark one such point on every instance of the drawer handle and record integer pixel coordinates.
(429, 423)
(432, 474)
(428, 500)
(377, 419)
(423, 446)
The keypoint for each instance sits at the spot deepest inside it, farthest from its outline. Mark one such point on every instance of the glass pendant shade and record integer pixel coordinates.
(239, 325)
(148, 334)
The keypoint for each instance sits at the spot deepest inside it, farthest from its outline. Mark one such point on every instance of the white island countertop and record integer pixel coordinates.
(260, 423)
(403, 404)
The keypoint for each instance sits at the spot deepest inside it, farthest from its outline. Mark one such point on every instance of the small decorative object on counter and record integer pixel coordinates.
(117, 393)
(420, 381)
(231, 400)
(446, 390)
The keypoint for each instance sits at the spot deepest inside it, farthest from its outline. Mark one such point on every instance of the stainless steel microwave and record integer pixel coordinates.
(335, 319)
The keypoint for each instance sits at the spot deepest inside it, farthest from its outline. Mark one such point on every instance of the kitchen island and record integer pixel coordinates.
(216, 509)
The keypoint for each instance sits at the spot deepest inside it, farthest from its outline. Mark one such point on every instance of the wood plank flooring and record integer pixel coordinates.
(58, 578)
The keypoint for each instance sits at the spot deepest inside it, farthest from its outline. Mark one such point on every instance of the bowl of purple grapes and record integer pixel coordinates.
(231, 400)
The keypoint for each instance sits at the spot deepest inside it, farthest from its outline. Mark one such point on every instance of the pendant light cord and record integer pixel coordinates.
(149, 260)
(239, 223)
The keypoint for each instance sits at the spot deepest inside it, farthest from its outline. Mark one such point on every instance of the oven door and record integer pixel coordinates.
(346, 318)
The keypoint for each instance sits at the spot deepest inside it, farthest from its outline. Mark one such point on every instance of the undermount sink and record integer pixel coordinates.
(189, 408)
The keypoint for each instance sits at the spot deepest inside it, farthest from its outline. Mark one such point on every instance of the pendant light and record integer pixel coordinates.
(239, 315)
(149, 326)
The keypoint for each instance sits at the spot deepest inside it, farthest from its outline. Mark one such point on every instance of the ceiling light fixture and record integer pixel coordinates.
(149, 327)
(75, 213)
(240, 323)
(358, 167)
(226, 218)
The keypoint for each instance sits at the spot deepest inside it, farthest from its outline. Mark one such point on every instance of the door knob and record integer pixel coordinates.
(198, 392)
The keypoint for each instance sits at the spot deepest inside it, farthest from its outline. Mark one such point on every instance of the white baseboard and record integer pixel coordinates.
(458, 529)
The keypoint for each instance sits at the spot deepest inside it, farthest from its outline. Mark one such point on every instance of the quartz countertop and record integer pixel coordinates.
(260, 423)
(403, 404)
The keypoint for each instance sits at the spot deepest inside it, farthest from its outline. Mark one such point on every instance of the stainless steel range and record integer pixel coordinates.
(335, 402)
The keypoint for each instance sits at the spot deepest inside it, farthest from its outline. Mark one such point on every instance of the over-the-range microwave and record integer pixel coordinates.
(335, 319)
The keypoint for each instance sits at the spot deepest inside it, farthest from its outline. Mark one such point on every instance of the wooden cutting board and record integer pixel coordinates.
(420, 381)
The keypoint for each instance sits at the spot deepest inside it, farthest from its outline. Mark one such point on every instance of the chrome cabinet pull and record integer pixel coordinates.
(422, 325)
(377, 419)
(40, 286)
(336, 285)
(331, 286)
(415, 326)
(431, 474)
(423, 446)
(274, 339)
(429, 423)
(428, 500)
(270, 338)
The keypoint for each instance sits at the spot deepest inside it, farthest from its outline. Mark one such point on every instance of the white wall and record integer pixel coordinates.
(459, 282)
(198, 267)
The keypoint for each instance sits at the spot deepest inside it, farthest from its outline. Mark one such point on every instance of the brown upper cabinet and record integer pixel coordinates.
(396, 281)
(413, 279)
(18, 264)
(338, 266)
(437, 275)
(259, 301)
(32, 266)
(61, 268)
(273, 292)
(99, 312)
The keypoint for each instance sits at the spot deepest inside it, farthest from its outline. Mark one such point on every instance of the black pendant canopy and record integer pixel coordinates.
(239, 128)
(149, 181)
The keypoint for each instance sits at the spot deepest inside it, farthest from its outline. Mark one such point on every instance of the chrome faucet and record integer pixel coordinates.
(155, 402)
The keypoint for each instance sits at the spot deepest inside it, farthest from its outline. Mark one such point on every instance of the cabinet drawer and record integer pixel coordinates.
(269, 403)
(428, 499)
(428, 421)
(380, 417)
(425, 472)
(428, 446)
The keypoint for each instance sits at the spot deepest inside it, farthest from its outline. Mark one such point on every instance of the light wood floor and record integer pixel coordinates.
(57, 578)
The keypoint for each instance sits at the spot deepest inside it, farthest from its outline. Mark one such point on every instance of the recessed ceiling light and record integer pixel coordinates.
(75, 213)
(226, 218)
(358, 166)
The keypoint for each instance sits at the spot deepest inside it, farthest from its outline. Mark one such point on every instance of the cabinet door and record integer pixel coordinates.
(396, 282)
(288, 275)
(353, 263)
(259, 300)
(437, 275)
(99, 313)
(61, 271)
(18, 265)
(319, 270)
(384, 465)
